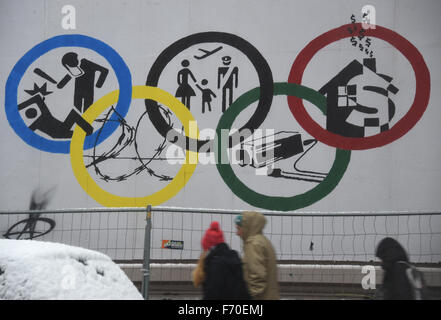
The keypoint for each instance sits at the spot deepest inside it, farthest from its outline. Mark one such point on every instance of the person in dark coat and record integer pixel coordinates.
(398, 284)
(219, 269)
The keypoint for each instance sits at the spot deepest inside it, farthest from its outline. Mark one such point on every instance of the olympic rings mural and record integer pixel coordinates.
(343, 131)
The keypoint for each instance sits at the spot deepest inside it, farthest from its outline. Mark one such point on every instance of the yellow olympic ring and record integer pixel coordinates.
(107, 199)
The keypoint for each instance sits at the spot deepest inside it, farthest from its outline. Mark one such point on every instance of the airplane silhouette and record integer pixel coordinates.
(207, 53)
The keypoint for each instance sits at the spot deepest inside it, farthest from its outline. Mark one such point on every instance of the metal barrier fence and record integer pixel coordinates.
(316, 252)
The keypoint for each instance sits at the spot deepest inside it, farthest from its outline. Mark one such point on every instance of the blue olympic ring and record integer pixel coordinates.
(75, 40)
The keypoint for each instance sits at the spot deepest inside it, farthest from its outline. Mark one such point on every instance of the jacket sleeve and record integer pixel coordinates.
(255, 264)
(198, 274)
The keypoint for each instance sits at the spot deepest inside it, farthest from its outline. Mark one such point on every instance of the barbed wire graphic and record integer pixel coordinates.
(126, 139)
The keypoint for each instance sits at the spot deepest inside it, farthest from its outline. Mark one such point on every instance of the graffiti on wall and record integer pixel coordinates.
(35, 225)
(203, 81)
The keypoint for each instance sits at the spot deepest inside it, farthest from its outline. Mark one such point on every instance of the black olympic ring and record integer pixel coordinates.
(260, 64)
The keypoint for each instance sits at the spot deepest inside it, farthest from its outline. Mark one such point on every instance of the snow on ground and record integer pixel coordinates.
(41, 270)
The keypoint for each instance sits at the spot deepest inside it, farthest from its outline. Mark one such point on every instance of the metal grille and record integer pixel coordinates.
(318, 253)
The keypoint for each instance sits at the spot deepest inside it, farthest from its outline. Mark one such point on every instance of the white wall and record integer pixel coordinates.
(404, 175)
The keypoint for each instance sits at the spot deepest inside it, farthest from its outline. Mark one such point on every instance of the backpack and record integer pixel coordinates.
(229, 272)
(416, 280)
(234, 283)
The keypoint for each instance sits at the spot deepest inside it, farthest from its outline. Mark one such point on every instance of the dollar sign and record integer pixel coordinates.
(353, 18)
(361, 47)
(368, 42)
(371, 54)
(353, 41)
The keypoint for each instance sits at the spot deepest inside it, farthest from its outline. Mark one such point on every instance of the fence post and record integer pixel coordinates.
(146, 260)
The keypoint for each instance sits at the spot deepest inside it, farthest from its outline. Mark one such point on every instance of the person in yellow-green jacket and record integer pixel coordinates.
(259, 257)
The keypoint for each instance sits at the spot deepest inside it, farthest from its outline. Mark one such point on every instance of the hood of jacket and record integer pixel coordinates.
(252, 224)
(390, 251)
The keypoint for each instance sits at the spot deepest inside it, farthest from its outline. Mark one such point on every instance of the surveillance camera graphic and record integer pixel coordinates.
(263, 153)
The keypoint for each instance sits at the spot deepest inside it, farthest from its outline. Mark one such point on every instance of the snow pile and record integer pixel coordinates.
(41, 270)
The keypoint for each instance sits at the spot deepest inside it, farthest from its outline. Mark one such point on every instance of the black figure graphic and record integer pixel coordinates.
(206, 95)
(30, 223)
(185, 91)
(37, 109)
(84, 74)
(227, 78)
(346, 114)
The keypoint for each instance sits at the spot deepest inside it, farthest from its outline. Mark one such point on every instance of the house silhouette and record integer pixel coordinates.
(345, 116)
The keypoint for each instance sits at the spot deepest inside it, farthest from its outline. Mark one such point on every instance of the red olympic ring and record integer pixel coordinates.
(419, 105)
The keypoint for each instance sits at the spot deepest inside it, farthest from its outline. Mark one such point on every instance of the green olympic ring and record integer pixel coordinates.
(341, 161)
